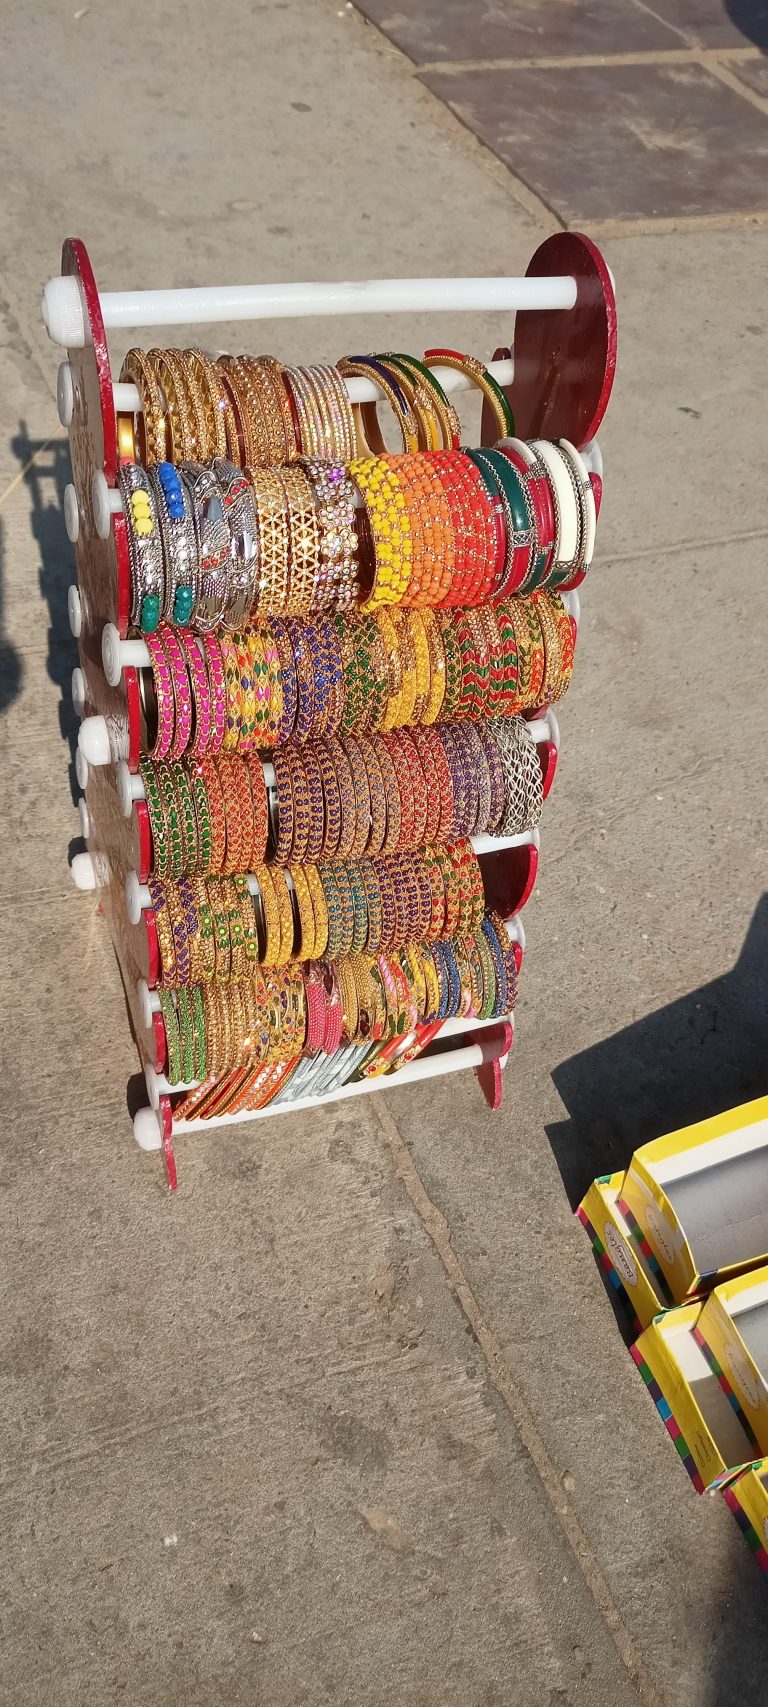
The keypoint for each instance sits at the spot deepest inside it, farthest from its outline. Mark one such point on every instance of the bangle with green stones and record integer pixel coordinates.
(197, 1022)
(172, 1036)
(204, 826)
(186, 1035)
(484, 381)
(418, 372)
(179, 792)
(166, 836)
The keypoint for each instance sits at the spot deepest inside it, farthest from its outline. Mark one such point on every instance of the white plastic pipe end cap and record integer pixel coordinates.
(123, 786)
(74, 611)
(82, 768)
(153, 1088)
(71, 514)
(78, 691)
(65, 394)
(85, 822)
(133, 898)
(62, 310)
(102, 509)
(83, 871)
(147, 1129)
(93, 738)
(554, 728)
(110, 654)
(142, 996)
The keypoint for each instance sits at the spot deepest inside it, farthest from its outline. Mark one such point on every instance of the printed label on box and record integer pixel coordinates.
(662, 1235)
(619, 1254)
(742, 1374)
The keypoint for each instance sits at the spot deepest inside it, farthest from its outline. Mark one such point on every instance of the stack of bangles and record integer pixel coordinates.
(259, 413)
(211, 545)
(300, 679)
(217, 1034)
(342, 798)
(214, 929)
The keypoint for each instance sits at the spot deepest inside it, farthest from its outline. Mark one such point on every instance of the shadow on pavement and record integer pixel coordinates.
(11, 667)
(751, 17)
(45, 480)
(702, 1054)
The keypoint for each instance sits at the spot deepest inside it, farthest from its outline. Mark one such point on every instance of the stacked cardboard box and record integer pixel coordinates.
(683, 1238)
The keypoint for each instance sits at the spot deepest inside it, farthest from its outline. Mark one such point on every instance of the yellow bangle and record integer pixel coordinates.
(390, 530)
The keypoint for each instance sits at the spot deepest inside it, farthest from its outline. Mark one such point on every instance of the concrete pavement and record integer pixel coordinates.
(350, 1418)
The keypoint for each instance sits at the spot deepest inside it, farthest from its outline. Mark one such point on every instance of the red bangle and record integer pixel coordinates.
(424, 741)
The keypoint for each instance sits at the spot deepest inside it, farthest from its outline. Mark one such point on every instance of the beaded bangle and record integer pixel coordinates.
(288, 679)
(496, 782)
(333, 904)
(453, 666)
(340, 805)
(317, 811)
(402, 769)
(390, 529)
(330, 795)
(320, 910)
(391, 793)
(390, 714)
(352, 753)
(301, 647)
(423, 741)
(371, 798)
(288, 768)
(287, 920)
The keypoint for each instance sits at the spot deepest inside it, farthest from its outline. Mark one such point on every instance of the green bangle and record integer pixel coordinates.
(179, 791)
(172, 1038)
(197, 1017)
(165, 831)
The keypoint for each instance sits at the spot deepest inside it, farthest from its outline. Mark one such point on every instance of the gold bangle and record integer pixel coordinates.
(320, 910)
(138, 370)
(306, 912)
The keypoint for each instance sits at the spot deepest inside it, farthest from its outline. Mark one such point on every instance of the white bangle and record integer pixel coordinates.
(588, 501)
(567, 543)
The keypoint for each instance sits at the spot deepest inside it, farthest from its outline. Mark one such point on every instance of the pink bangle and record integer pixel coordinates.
(218, 695)
(316, 1011)
(198, 676)
(163, 685)
(182, 694)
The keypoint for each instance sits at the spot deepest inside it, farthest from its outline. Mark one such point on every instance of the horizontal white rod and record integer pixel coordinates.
(207, 305)
(150, 1004)
(424, 1067)
(127, 399)
(138, 899)
(130, 786)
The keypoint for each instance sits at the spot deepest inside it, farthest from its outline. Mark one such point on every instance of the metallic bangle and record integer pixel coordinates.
(274, 540)
(271, 945)
(305, 680)
(214, 545)
(234, 693)
(203, 381)
(243, 568)
(145, 546)
(304, 534)
(368, 367)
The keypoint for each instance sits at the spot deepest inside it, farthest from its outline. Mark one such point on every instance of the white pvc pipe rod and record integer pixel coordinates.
(127, 398)
(424, 1067)
(64, 318)
(138, 899)
(130, 786)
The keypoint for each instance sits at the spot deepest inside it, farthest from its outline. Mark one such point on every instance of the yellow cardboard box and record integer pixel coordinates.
(733, 1331)
(747, 1496)
(624, 1256)
(705, 1427)
(700, 1198)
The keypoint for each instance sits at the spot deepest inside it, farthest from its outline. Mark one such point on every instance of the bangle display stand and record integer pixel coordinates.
(557, 372)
